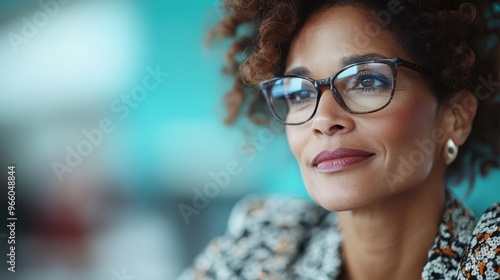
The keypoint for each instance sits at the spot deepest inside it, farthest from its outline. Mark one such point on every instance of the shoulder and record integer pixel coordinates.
(482, 257)
(263, 236)
(257, 212)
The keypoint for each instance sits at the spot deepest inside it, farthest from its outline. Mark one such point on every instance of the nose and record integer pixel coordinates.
(330, 117)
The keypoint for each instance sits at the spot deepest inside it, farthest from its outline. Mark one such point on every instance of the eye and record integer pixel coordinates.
(301, 98)
(300, 95)
(369, 81)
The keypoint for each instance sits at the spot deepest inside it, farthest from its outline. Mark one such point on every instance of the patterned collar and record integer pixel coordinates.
(283, 238)
(321, 257)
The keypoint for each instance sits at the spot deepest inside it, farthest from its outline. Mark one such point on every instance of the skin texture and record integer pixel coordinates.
(388, 223)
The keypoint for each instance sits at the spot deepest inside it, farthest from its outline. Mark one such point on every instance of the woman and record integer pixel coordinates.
(383, 101)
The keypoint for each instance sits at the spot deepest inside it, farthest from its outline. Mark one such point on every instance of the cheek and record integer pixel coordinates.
(297, 140)
(300, 139)
(405, 133)
(400, 136)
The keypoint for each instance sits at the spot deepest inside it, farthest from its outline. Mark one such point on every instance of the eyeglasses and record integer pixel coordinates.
(359, 88)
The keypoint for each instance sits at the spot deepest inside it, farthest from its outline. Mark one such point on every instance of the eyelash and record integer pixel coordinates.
(376, 76)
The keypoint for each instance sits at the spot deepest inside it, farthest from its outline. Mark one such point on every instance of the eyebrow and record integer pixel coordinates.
(360, 58)
(299, 71)
(304, 71)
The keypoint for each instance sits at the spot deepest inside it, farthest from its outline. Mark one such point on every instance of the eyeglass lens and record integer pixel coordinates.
(362, 88)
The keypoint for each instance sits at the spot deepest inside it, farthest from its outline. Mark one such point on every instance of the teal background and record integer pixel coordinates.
(119, 209)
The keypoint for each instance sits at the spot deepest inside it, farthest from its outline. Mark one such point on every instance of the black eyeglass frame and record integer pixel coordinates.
(394, 63)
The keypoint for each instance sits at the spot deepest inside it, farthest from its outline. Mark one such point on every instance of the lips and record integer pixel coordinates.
(339, 159)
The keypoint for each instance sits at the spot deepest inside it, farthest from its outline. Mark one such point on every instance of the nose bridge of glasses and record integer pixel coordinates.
(328, 82)
(323, 83)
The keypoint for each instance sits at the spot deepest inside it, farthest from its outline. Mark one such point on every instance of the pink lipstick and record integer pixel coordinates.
(339, 159)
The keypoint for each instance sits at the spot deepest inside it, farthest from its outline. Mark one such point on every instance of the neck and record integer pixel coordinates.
(391, 239)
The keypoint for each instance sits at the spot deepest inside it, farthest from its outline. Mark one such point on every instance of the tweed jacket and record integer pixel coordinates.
(278, 238)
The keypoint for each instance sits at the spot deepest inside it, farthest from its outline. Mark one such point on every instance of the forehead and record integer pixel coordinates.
(332, 34)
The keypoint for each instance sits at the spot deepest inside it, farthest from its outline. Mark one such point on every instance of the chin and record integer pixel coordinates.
(340, 201)
(340, 194)
(335, 197)
(342, 191)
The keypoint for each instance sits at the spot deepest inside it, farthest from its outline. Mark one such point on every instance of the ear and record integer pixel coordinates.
(460, 110)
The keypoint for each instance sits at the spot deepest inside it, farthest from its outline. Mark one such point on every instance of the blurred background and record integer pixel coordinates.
(112, 112)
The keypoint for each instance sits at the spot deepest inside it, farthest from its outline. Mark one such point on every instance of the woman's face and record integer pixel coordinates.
(398, 142)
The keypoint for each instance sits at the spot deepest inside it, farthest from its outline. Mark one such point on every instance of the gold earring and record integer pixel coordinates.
(450, 151)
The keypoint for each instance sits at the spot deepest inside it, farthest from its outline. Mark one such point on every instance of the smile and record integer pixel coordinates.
(339, 159)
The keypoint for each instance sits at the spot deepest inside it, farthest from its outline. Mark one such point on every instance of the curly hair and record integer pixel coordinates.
(457, 41)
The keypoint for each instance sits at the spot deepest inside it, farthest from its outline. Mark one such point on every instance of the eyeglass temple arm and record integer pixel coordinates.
(413, 66)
